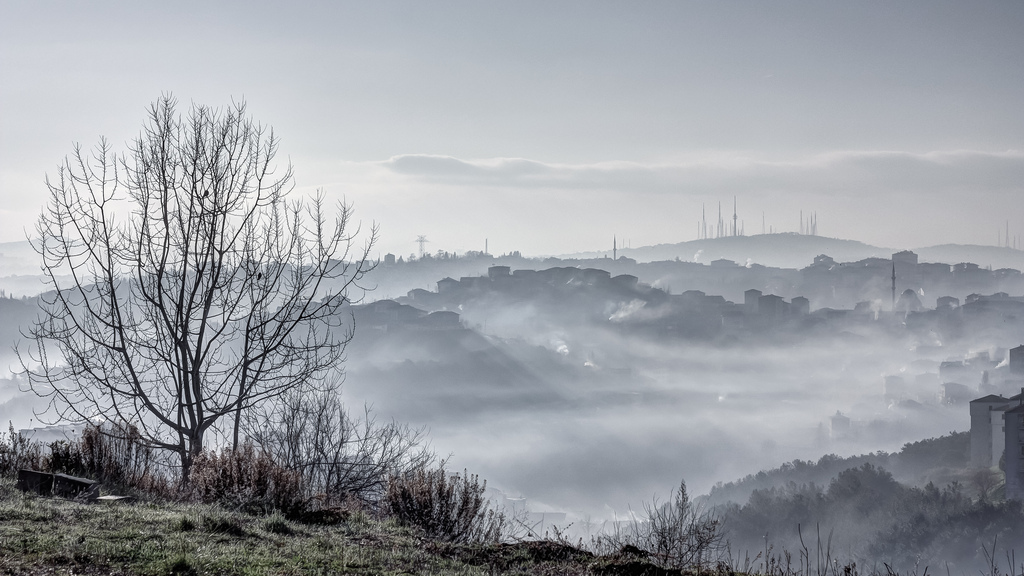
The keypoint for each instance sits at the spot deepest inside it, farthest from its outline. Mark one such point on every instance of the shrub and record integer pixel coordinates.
(18, 451)
(247, 479)
(676, 534)
(341, 457)
(109, 454)
(450, 508)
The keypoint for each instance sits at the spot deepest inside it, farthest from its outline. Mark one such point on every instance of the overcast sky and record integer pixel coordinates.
(548, 127)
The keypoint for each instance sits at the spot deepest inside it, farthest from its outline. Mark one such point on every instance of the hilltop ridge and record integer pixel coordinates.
(792, 250)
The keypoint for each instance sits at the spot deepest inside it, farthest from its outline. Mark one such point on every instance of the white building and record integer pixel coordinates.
(997, 433)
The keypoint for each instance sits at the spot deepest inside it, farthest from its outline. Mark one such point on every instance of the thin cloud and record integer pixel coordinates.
(855, 172)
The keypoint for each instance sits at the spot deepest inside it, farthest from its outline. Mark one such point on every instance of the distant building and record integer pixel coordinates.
(947, 302)
(419, 295)
(894, 387)
(750, 298)
(771, 306)
(1017, 360)
(909, 302)
(446, 285)
(987, 437)
(1013, 424)
(626, 281)
(495, 272)
(442, 319)
(957, 371)
(840, 426)
(474, 282)
(389, 259)
(955, 393)
(801, 306)
(824, 260)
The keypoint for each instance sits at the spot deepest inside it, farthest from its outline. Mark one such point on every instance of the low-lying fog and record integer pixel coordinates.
(596, 426)
(592, 419)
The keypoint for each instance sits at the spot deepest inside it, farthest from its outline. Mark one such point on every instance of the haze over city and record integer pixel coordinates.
(752, 247)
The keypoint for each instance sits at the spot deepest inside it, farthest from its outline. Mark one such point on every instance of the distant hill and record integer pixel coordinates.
(19, 270)
(18, 259)
(20, 275)
(787, 250)
(792, 250)
(985, 256)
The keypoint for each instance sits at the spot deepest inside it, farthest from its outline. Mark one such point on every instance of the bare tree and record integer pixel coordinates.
(198, 291)
(985, 480)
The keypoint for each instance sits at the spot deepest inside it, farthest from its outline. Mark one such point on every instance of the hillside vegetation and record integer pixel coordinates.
(428, 521)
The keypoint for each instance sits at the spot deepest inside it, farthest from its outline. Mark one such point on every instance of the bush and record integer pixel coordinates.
(17, 452)
(108, 454)
(247, 479)
(676, 535)
(450, 508)
(341, 457)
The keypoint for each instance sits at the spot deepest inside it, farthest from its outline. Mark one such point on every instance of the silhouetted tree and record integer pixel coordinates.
(187, 288)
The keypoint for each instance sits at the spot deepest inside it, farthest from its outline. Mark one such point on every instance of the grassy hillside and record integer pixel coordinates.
(863, 514)
(55, 536)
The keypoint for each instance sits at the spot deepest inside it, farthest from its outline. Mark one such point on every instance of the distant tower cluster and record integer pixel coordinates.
(721, 229)
(1006, 241)
(809, 227)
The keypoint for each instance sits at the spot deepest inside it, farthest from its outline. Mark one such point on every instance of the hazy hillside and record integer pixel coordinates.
(19, 270)
(18, 259)
(19, 264)
(792, 250)
(985, 256)
(789, 250)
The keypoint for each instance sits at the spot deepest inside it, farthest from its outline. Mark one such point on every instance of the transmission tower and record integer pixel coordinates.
(422, 240)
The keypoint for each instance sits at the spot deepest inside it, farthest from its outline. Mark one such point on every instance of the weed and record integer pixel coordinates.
(676, 534)
(181, 565)
(219, 523)
(276, 524)
(185, 524)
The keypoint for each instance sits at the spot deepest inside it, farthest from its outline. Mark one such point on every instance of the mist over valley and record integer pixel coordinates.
(582, 387)
(509, 288)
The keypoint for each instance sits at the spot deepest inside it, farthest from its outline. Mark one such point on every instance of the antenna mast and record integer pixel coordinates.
(893, 285)
(735, 228)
